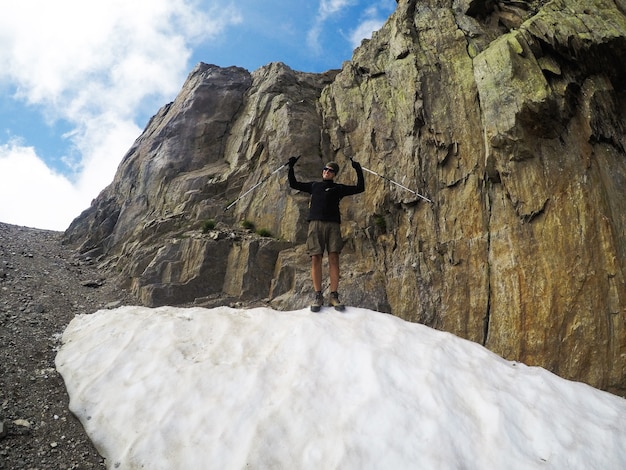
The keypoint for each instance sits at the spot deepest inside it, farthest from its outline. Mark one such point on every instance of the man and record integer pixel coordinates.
(324, 225)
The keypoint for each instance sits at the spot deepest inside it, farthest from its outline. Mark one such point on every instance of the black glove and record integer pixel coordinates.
(292, 161)
(355, 165)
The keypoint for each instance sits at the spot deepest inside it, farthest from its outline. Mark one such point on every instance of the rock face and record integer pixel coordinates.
(509, 116)
(226, 130)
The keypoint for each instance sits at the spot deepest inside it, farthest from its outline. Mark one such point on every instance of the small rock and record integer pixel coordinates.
(3, 430)
(93, 284)
(22, 422)
(38, 308)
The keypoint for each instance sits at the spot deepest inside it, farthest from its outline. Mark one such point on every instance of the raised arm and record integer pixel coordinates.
(293, 182)
(360, 184)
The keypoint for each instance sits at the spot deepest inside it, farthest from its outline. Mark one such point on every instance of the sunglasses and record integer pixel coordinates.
(329, 169)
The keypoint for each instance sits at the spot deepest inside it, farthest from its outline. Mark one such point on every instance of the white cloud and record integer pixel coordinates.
(99, 66)
(371, 19)
(102, 145)
(52, 50)
(29, 187)
(364, 30)
(326, 10)
(34, 195)
(331, 7)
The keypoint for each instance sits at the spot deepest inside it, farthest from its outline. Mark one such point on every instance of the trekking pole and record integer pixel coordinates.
(396, 183)
(258, 184)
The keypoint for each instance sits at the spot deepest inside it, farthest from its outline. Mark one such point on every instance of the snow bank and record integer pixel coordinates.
(223, 388)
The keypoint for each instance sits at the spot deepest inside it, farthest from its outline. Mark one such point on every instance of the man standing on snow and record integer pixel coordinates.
(324, 225)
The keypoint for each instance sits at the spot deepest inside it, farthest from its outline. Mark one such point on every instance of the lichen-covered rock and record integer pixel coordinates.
(509, 117)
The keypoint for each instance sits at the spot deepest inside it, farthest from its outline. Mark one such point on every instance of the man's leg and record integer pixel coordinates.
(316, 275)
(333, 271)
(316, 272)
(333, 268)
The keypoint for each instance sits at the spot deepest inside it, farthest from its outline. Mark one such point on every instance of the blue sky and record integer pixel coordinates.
(79, 80)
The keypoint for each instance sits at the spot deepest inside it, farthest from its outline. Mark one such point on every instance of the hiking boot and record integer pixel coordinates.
(318, 302)
(334, 301)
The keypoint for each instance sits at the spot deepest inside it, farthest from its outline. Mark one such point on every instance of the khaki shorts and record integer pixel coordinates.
(324, 236)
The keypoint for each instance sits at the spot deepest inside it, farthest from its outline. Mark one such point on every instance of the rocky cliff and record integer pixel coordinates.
(508, 115)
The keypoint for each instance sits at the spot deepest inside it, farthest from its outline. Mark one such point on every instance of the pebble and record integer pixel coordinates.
(112, 305)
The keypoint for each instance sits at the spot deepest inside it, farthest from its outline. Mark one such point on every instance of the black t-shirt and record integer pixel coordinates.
(326, 195)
